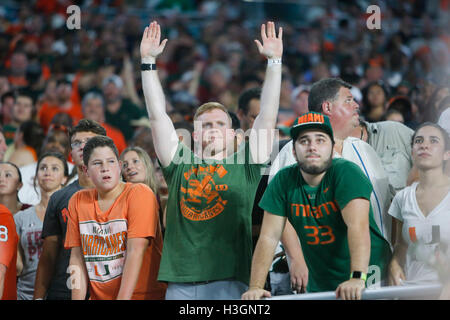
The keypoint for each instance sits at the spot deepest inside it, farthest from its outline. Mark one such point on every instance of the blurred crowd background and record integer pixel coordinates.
(399, 72)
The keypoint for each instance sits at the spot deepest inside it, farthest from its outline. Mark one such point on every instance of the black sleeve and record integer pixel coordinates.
(51, 226)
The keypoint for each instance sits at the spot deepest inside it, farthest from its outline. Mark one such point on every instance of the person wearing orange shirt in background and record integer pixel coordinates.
(68, 101)
(93, 106)
(8, 255)
(114, 232)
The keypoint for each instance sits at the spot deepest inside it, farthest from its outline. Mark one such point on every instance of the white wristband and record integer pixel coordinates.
(273, 61)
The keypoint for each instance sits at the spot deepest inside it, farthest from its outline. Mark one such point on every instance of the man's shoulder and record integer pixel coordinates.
(339, 162)
(287, 173)
(343, 165)
(389, 126)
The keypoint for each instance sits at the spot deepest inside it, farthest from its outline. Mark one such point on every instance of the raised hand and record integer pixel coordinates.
(151, 44)
(272, 46)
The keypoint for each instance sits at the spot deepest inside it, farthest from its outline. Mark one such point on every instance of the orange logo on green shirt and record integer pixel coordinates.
(201, 199)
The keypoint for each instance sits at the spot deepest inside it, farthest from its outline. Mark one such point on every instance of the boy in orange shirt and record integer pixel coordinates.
(114, 232)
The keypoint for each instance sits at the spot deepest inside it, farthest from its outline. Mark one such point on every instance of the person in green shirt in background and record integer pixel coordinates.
(328, 203)
(120, 111)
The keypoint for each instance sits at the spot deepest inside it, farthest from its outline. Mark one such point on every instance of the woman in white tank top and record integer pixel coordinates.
(422, 214)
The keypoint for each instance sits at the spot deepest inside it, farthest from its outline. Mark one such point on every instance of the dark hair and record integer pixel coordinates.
(366, 106)
(97, 142)
(33, 134)
(403, 105)
(62, 119)
(246, 97)
(235, 122)
(54, 154)
(86, 125)
(57, 136)
(434, 125)
(325, 90)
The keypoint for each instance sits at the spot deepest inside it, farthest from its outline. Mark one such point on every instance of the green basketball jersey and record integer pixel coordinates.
(208, 234)
(315, 213)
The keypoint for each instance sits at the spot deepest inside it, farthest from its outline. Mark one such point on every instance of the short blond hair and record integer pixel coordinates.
(209, 106)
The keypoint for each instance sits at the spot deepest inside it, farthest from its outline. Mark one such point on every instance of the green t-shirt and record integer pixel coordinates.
(208, 234)
(127, 112)
(315, 213)
(9, 131)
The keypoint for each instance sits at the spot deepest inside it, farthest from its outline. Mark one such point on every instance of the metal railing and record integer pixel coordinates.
(383, 293)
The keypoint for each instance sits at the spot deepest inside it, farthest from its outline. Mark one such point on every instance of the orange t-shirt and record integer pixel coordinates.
(103, 236)
(8, 252)
(48, 111)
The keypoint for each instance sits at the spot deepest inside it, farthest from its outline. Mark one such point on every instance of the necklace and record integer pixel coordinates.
(362, 133)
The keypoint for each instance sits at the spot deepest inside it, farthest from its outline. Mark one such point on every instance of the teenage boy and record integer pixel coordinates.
(114, 232)
(51, 274)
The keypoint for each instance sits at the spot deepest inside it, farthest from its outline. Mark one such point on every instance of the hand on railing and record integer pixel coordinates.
(395, 273)
(350, 290)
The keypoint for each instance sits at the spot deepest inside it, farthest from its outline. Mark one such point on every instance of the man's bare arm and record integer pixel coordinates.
(356, 217)
(271, 230)
(261, 135)
(164, 135)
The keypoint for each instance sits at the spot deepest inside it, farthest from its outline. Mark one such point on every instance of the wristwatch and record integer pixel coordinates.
(358, 275)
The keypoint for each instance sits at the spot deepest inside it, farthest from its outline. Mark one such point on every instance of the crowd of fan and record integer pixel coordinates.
(52, 76)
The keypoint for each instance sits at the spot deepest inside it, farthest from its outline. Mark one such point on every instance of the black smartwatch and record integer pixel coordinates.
(148, 66)
(358, 275)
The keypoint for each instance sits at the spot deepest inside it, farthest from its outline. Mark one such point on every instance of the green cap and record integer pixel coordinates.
(311, 120)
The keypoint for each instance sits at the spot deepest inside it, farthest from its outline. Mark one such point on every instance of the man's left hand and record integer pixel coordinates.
(351, 289)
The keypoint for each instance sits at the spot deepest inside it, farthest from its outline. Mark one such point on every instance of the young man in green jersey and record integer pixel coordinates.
(327, 201)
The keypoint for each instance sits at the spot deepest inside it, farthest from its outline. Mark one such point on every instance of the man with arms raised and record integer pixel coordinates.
(207, 246)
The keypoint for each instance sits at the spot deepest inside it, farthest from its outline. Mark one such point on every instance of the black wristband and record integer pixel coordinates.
(148, 66)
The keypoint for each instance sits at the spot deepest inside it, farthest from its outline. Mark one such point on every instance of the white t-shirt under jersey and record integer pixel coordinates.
(426, 236)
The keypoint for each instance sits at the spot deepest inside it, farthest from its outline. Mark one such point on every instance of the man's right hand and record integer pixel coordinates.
(151, 44)
(299, 275)
(255, 294)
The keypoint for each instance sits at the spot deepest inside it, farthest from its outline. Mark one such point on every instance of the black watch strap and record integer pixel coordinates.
(148, 66)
